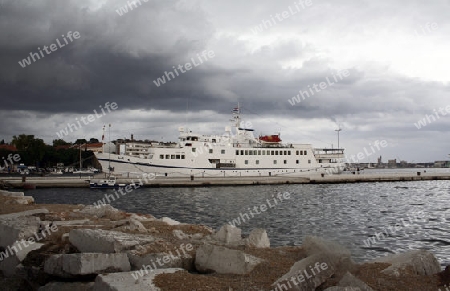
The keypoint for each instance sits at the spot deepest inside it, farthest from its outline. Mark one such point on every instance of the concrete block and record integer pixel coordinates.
(130, 281)
(228, 234)
(103, 241)
(307, 274)
(258, 238)
(211, 258)
(420, 261)
(70, 265)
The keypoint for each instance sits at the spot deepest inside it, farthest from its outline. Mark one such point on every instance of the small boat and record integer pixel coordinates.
(110, 183)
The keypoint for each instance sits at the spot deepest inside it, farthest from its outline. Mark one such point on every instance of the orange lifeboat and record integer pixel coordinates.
(273, 139)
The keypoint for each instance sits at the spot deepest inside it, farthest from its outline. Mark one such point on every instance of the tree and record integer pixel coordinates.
(93, 140)
(22, 142)
(2, 141)
(59, 142)
(81, 141)
(31, 149)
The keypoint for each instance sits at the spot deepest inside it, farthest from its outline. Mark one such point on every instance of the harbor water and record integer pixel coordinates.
(370, 219)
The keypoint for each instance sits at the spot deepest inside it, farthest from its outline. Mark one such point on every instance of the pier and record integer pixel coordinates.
(83, 182)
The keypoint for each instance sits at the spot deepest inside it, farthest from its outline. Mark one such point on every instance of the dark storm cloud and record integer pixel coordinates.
(396, 75)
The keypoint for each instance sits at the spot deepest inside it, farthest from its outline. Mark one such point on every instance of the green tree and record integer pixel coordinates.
(80, 141)
(59, 142)
(22, 142)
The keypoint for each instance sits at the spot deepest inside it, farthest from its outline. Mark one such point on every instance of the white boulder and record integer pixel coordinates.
(350, 281)
(258, 238)
(170, 221)
(13, 255)
(127, 281)
(307, 274)
(104, 241)
(101, 211)
(228, 234)
(69, 265)
(211, 258)
(420, 261)
(13, 229)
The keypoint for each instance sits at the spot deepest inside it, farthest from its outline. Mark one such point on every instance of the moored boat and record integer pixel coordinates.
(236, 153)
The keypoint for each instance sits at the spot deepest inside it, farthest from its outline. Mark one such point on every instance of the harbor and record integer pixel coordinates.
(194, 181)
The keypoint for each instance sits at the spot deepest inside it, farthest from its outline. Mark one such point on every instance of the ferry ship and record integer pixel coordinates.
(237, 153)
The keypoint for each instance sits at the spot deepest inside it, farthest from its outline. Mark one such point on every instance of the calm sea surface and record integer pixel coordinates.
(346, 213)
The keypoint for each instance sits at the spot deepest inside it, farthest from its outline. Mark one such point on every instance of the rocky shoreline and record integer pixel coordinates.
(78, 247)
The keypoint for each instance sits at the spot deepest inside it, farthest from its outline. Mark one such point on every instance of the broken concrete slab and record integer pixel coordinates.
(339, 254)
(13, 229)
(258, 238)
(211, 258)
(70, 265)
(102, 211)
(13, 255)
(307, 274)
(11, 194)
(23, 214)
(351, 281)
(104, 241)
(170, 221)
(228, 234)
(127, 281)
(420, 261)
(316, 245)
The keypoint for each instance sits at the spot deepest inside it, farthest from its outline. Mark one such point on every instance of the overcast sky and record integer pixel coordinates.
(395, 54)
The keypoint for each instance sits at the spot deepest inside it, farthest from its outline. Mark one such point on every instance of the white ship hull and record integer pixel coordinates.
(134, 167)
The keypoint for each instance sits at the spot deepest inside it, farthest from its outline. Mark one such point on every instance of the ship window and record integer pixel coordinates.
(246, 152)
(309, 161)
(296, 152)
(237, 152)
(250, 153)
(264, 152)
(222, 152)
(214, 140)
(285, 162)
(182, 157)
(297, 162)
(167, 156)
(272, 153)
(257, 162)
(242, 152)
(193, 150)
(306, 153)
(246, 162)
(161, 157)
(276, 153)
(259, 152)
(289, 152)
(210, 151)
(178, 157)
(172, 157)
(274, 162)
(285, 152)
